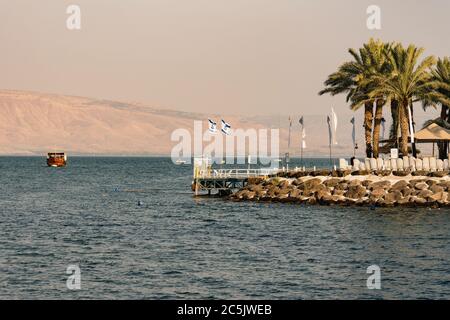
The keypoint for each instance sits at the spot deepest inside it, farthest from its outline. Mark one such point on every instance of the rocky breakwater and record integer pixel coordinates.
(368, 190)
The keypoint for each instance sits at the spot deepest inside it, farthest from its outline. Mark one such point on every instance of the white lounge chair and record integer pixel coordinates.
(406, 165)
(394, 164)
(440, 165)
(343, 164)
(380, 164)
(373, 164)
(367, 163)
(400, 164)
(412, 163)
(446, 164)
(387, 164)
(356, 164)
(419, 165)
(426, 163)
(433, 164)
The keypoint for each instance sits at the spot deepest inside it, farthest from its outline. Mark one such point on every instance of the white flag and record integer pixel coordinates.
(352, 121)
(301, 121)
(330, 131)
(303, 138)
(334, 121)
(226, 128)
(212, 126)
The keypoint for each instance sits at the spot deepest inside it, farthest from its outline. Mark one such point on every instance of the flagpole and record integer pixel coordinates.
(301, 141)
(289, 145)
(301, 152)
(331, 161)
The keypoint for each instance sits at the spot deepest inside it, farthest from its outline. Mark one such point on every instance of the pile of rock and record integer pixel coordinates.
(361, 190)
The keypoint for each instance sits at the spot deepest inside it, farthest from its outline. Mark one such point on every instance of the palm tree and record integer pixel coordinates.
(378, 65)
(409, 81)
(441, 75)
(354, 78)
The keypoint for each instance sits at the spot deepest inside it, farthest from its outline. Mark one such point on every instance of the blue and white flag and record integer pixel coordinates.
(212, 126)
(226, 128)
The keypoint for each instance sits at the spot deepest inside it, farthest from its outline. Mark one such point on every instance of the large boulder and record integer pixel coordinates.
(399, 185)
(321, 194)
(424, 194)
(406, 191)
(341, 173)
(284, 184)
(445, 185)
(421, 186)
(309, 184)
(436, 196)
(404, 201)
(339, 192)
(356, 192)
(380, 184)
(331, 183)
(295, 193)
(393, 196)
(255, 187)
(418, 201)
(261, 194)
(377, 193)
(255, 180)
(366, 183)
(343, 185)
(431, 182)
(436, 188)
(355, 182)
(248, 195)
(283, 191)
(321, 173)
(444, 199)
(272, 191)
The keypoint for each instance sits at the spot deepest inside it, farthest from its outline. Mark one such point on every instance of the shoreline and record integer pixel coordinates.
(350, 190)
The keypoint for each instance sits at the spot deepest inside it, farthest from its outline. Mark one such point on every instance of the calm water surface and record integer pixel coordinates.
(175, 246)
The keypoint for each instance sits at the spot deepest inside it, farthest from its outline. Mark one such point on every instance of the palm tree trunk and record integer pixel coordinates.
(404, 127)
(394, 132)
(376, 129)
(442, 146)
(413, 127)
(368, 119)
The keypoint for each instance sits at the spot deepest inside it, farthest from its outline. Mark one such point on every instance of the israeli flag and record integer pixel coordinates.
(212, 126)
(226, 128)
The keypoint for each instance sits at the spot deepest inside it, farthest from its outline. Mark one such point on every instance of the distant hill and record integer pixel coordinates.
(34, 123)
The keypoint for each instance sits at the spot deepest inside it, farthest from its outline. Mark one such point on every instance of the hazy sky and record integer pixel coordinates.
(221, 56)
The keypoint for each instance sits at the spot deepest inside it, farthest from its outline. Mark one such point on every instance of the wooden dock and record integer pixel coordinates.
(224, 181)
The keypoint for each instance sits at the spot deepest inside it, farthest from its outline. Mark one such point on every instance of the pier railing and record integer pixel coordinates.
(235, 173)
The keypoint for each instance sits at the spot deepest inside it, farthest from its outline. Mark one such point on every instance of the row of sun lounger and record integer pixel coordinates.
(401, 164)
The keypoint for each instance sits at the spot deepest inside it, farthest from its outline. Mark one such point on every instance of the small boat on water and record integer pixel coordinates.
(179, 162)
(56, 159)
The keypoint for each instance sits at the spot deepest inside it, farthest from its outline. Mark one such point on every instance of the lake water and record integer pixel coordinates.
(176, 246)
